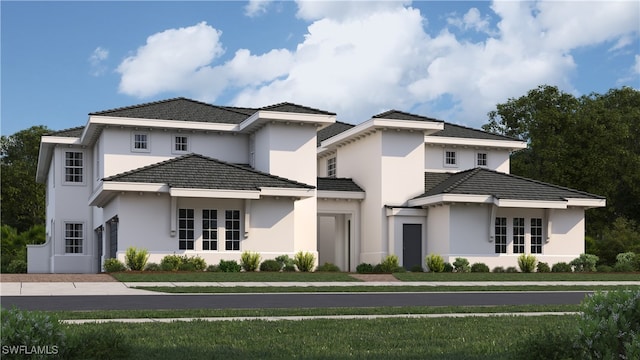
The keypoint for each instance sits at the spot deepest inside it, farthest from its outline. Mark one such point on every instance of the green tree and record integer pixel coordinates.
(14, 244)
(23, 200)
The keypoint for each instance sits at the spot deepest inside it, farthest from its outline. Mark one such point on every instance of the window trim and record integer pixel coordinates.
(485, 160)
(81, 239)
(447, 157)
(82, 167)
(229, 242)
(332, 167)
(538, 236)
(209, 230)
(189, 241)
(133, 142)
(521, 237)
(501, 237)
(174, 144)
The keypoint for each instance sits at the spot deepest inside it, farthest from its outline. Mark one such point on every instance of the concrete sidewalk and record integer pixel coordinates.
(119, 288)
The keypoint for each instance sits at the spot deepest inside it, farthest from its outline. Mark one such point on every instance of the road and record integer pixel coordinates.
(290, 300)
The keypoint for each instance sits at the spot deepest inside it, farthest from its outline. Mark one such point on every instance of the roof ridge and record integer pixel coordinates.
(151, 103)
(383, 114)
(63, 130)
(267, 107)
(463, 178)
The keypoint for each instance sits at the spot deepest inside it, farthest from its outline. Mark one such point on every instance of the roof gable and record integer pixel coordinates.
(332, 130)
(194, 171)
(295, 108)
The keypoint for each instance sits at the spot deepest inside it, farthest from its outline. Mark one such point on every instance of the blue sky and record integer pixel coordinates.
(450, 60)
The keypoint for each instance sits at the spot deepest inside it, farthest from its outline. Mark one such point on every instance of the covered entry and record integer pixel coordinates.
(407, 235)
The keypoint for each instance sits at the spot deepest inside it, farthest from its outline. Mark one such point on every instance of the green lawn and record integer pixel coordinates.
(231, 277)
(518, 276)
(450, 338)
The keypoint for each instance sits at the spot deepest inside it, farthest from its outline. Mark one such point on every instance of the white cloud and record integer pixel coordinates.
(96, 60)
(472, 20)
(256, 7)
(341, 10)
(636, 66)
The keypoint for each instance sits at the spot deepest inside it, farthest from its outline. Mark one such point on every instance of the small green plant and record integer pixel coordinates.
(434, 262)
(498, 269)
(304, 261)
(561, 267)
(448, 267)
(31, 329)
(136, 259)
(461, 265)
(479, 267)
(328, 267)
(527, 263)
(627, 261)
(609, 326)
(195, 262)
(152, 267)
(213, 268)
(287, 263)
(391, 264)
(416, 268)
(171, 262)
(271, 265)
(250, 261)
(511, 269)
(114, 265)
(584, 263)
(543, 267)
(229, 266)
(364, 268)
(604, 268)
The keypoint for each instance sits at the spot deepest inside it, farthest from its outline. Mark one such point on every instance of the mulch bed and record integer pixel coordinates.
(56, 278)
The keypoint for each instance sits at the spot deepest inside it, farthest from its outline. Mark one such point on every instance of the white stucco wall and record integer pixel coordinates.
(497, 159)
(438, 230)
(339, 243)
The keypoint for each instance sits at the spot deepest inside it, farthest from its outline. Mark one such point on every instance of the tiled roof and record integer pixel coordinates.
(195, 171)
(73, 132)
(180, 109)
(338, 184)
(480, 181)
(295, 108)
(458, 131)
(332, 130)
(401, 115)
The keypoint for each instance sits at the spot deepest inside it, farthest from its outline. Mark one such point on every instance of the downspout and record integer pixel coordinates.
(492, 222)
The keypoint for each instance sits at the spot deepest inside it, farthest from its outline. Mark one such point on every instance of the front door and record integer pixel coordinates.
(113, 237)
(411, 245)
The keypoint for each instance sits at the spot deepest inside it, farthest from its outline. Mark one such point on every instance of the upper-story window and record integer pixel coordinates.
(140, 142)
(450, 158)
(481, 159)
(180, 143)
(331, 167)
(73, 167)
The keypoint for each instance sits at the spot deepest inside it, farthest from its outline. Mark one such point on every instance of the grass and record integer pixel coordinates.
(178, 276)
(450, 338)
(587, 276)
(388, 310)
(335, 289)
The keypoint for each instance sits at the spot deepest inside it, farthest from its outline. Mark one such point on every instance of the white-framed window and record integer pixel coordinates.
(501, 235)
(73, 237)
(209, 229)
(536, 236)
(74, 167)
(140, 142)
(450, 158)
(331, 167)
(180, 144)
(232, 229)
(481, 159)
(185, 229)
(518, 235)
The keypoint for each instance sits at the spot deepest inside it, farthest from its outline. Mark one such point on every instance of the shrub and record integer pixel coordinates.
(364, 268)
(285, 260)
(604, 268)
(377, 269)
(113, 265)
(584, 263)
(479, 267)
(328, 267)
(622, 267)
(289, 268)
(187, 266)
(628, 260)
(543, 267)
(171, 262)
(434, 262)
(17, 266)
(390, 264)
(609, 326)
(152, 267)
(448, 267)
(498, 269)
(196, 263)
(417, 268)
(461, 265)
(213, 268)
(250, 261)
(271, 265)
(27, 328)
(229, 266)
(561, 267)
(136, 259)
(511, 269)
(304, 261)
(527, 263)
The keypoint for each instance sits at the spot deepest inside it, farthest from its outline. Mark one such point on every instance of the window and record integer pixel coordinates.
(481, 159)
(209, 229)
(185, 229)
(73, 238)
(501, 235)
(331, 167)
(140, 142)
(518, 235)
(73, 167)
(536, 236)
(232, 232)
(180, 143)
(450, 158)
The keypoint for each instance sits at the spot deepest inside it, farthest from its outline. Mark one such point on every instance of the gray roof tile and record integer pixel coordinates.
(332, 130)
(458, 131)
(338, 184)
(73, 132)
(480, 181)
(401, 115)
(195, 171)
(295, 108)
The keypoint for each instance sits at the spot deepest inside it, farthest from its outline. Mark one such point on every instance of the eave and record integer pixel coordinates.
(263, 117)
(485, 143)
(506, 203)
(45, 153)
(342, 195)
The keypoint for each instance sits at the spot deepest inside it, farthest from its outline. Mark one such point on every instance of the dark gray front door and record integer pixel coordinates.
(411, 245)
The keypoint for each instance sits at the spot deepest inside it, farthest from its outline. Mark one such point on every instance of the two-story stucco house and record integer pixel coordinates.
(185, 177)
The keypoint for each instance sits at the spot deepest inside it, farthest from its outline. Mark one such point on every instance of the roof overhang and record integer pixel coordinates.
(376, 124)
(263, 117)
(506, 203)
(45, 153)
(503, 144)
(346, 195)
